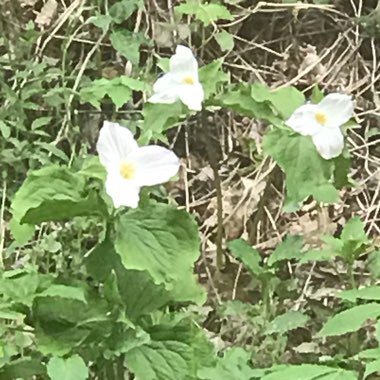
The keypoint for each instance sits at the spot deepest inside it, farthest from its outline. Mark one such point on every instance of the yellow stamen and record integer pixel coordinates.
(188, 80)
(321, 118)
(127, 170)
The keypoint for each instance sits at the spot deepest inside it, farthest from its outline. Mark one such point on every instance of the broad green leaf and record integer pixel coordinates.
(211, 76)
(374, 263)
(119, 90)
(316, 95)
(307, 173)
(160, 117)
(123, 10)
(101, 21)
(286, 322)
(20, 289)
(5, 130)
(247, 254)
(285, 100)
(225, 40)
(207, 13)
(350, 320)
(92, 168)
(22, 233)
(239, 99)
(300, 372)
(340, 374)
(368, 293)
(160, 240)
(22, 369)
(371, 368)
(289, 249)
(354, 238)
(176, 352)
(54, 193)
(233, 365)
(64, 291)
(316, 255)
(67, 369)
(372, 353)
(128, 44)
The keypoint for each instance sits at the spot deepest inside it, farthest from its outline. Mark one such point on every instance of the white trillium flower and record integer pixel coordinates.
(323, 121)
(181, 82)
(129, 167)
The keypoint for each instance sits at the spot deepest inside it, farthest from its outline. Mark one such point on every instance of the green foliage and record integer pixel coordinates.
(158, 239)
(55, 193)
(307, 173)
(287, 322)
(350, 320)
(206, 13)
(119, 90)
(225, 40)
(233, 365)
(67, 369)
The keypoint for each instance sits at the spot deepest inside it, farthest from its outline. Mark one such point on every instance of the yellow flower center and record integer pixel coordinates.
(188, 80)
(127, 170)
(321, 118)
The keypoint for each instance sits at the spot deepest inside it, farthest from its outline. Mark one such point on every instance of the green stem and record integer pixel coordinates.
(120, 370)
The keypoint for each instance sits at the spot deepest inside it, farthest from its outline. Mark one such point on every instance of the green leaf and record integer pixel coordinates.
(239, 99)
(233, 365)
(211, 76)
(158, 239)
(286, 322)
(22, 233)
(371, 368)
(123, 10)
(92, 168)
(354, 238)
(206, 13)
(64, 291)
(316, 95)
(225, 40)
(128, 44)
(374, 264)
(53, 194)
(176, 352)
(340, 374)
(101, 21)
(307, 173)
(300, 372)
(22, 369)
(160, 117)
(350, 320)
(368, 293)
(119, 90)
(67, 369)
(289, 249)
(285, 100)
(5, 130)
(247, 254)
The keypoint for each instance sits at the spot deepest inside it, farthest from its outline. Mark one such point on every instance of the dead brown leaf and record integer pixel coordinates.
(45, 16)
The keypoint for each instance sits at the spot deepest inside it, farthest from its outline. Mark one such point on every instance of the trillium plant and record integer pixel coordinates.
(323, 123)
(136, 270)
(181, 82)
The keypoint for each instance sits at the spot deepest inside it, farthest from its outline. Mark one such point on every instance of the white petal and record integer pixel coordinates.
(165, 90)
(154, 165)
(303, 120)
(192, 95)
(329, 143)
(338, 109)
(114, 143)
(183, 63)
(122, 192)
